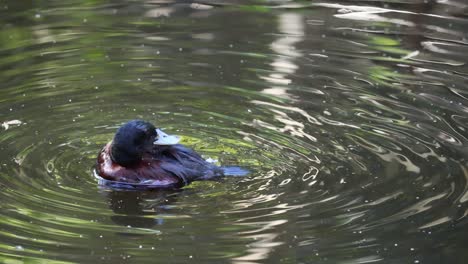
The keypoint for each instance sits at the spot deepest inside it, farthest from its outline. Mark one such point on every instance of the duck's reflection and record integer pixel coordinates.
(141, 209)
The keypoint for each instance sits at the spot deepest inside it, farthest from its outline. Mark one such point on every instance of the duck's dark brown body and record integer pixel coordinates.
(164, 166)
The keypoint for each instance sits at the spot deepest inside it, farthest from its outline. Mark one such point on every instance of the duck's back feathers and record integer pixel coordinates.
(166, 166)
(186, 164)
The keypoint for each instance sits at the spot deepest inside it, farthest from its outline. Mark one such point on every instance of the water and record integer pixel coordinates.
(352, 117)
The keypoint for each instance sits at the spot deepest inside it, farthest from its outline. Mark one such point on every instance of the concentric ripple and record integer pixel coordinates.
(352, 120)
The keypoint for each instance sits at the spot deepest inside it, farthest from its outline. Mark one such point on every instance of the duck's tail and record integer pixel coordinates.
(234, 171)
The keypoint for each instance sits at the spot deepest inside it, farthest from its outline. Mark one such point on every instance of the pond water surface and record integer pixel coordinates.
(352, 117)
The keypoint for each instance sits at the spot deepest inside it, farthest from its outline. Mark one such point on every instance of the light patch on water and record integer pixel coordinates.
(373, 17)
(436, 222)
(284, 182)
(407, 163)
(386, 198)
(464, 197)
(157, 38)
(6, 125)
(311, 174)
(200, 6)
(292, 26)
(310, 118)
(414, 209)
(367, 259)
(204, 36)
(432, 46)
(277, 91)
(210, 160)
(160, 12)
(411, 55)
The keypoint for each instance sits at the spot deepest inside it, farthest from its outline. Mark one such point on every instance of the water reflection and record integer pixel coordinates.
(353, 118)
(140, 209)
(290, 26)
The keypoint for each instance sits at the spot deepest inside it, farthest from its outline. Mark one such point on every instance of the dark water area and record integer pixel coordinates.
(352, 117)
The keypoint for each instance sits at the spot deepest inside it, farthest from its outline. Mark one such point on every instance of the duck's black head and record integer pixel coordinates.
(131, 141)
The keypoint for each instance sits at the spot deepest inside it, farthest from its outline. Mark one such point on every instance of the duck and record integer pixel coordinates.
(142, 155)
